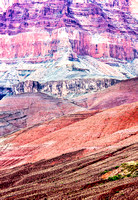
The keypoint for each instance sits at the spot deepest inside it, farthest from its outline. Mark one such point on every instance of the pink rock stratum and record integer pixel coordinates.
(67, 39)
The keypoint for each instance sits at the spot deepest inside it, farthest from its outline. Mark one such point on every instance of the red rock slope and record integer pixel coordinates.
(25, 110)
(71, 180)
(122, 93)
(112, 127)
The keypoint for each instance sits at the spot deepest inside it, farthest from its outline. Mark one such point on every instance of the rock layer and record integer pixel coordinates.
(89, 29)
(91, 132)
(64, 88)
(122, 93)
(69, 39)
(80, 179)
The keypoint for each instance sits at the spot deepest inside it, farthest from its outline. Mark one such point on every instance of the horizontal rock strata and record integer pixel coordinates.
(64, 88)
(90, 28)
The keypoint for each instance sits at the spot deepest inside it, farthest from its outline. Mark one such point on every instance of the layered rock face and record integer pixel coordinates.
(122, 93)
(70, 88)
(64, 88)
(90, 30)
(26, 87)
(63, 69)
(66, 40)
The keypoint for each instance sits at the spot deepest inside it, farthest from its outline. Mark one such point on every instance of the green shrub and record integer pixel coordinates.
(128, 175)
(105, 171)
(114, 178)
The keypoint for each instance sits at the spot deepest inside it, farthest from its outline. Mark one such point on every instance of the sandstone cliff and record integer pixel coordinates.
(64, 88)
(46, 41)
(92, 28)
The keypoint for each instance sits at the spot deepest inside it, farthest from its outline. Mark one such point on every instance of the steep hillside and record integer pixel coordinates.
(88, 131)
(27, 109)
(122, 93)
(71, 180)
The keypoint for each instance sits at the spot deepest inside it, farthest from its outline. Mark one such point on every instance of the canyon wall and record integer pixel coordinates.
(93, 29)
(64, 88)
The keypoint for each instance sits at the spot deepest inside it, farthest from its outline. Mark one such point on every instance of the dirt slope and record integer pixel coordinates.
(121, 93)
(113, 127)
(73, 180)
(27, 109)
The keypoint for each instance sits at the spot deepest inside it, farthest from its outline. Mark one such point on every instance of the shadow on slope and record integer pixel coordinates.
(74, 180)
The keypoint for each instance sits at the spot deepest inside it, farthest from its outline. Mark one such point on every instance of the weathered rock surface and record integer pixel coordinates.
(64, 88)
(27, 109)
(113, 127)
(84, 68)
(121, 93)
(26, 87)
(64, 35)
(90, 30)
(79, 179)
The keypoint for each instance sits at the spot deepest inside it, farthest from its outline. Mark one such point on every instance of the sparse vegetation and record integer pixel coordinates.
(128, 169)
(130, 166)
(114, 178)
(105, 171)
(128, 175)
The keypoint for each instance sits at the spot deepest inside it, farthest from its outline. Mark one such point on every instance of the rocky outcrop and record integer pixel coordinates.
(70, 88)
(64, 88)
(5, 91)
(121, 93)
(26, 87)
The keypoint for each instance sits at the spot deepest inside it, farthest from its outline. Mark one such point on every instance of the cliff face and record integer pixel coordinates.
(64, 88)
(26, 87)
(94, 29)
(66, 40)
(72, 88)
(125, 5)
